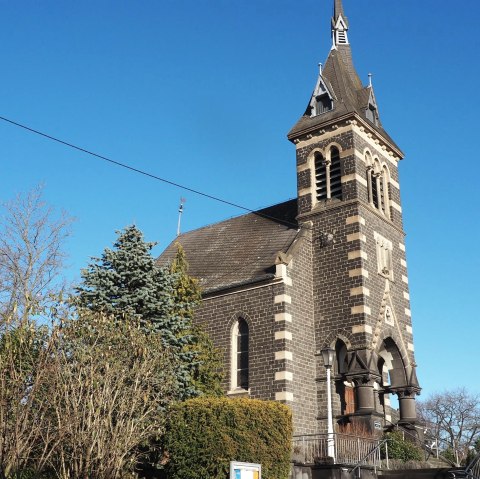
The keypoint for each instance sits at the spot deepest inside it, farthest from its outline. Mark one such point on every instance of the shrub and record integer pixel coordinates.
(400, 449)
(205, 434)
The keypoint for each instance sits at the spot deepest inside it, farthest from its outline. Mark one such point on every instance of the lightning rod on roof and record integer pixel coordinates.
(180, 211)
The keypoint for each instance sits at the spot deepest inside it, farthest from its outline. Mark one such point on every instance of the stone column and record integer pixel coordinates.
(364, 394)
(406, 400)
(328, 162)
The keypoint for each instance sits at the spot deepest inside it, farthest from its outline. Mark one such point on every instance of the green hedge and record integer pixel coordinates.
(205, 434)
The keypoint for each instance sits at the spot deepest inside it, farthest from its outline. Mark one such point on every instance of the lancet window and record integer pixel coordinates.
(328, 175)
(240, 355)
(377, 184)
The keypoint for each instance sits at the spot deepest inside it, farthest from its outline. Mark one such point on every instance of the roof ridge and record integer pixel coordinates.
(254, 212)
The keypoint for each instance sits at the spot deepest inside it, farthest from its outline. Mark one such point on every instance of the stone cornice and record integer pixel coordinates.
(353, 119)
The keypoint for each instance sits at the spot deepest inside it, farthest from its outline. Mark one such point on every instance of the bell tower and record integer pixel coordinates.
(349, 196)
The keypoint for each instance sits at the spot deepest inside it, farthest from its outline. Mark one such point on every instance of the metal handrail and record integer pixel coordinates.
(427, 449)
(474, 466)
(375, 449)
(471, 471)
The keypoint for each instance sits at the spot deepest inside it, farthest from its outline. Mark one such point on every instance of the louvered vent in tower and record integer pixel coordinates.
(320, 177)
(341, 37)
(335, 174)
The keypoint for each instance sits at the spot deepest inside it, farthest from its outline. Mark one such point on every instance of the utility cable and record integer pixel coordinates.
(146, 173)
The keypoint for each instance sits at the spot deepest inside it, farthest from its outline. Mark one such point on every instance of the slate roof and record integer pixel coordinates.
(239, 250)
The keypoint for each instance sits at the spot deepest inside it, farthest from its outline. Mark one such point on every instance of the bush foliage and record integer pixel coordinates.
(205, 434)
(399, 448)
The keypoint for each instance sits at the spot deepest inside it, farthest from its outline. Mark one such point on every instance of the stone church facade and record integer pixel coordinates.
(326, 270)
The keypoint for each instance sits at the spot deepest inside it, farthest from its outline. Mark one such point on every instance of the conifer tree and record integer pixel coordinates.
(127, 280)
(207, 374)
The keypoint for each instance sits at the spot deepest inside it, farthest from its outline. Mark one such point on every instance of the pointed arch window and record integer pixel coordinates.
(335, 173)
(328, 175)
(320, 177)
(240, 355)
(377, 183)
(385, 193)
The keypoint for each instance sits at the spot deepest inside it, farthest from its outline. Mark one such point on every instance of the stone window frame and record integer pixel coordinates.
(384, 249)
(326, 154)
(235, 388)
(378, 183)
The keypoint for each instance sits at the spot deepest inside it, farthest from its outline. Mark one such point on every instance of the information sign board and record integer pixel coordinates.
(245, 470)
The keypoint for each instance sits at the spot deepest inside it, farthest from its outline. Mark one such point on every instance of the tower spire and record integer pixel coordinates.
(338, 10)
(339, 25)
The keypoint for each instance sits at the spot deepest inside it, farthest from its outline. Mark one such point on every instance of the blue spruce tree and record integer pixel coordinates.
(126, 282)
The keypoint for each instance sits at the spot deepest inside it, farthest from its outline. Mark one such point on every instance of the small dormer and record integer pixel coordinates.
(322, 98)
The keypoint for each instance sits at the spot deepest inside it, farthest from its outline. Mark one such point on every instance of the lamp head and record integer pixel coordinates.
(328, 357)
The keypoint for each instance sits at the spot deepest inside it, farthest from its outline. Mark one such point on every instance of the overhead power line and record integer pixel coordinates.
(143, 172)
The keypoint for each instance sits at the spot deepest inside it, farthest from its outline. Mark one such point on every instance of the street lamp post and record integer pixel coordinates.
(328, 355)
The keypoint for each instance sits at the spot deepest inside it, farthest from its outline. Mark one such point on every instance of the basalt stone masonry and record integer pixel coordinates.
(326, 270)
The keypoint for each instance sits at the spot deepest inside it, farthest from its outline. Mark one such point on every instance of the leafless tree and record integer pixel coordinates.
(81, 398)
(453, 418)
(32, 236)
(25, 371)
(108, 395)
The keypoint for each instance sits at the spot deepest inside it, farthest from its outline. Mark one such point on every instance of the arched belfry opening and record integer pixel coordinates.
(397, 377)
(393, 368)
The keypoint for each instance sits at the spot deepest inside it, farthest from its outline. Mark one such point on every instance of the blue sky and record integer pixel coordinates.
(204, 92)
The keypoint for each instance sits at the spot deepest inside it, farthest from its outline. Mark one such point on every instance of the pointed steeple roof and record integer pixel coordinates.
(341, 82)
(338, 10)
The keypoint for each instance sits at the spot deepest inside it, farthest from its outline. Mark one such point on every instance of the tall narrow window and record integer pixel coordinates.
(328, 175)
(385, 193)
(381, 195)
(375, 196)
(335, 174)
(377, 186)
(320, 177)
(240, 360)
(370, 179)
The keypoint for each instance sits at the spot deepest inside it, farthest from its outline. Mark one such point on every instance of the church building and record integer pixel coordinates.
(325, 270)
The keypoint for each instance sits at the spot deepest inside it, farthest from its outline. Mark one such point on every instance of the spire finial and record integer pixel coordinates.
(320, 66)
(370, 79)
(339, 25)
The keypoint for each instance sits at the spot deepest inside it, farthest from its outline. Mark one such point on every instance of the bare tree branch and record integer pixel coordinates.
(31, 255)
(453, 418)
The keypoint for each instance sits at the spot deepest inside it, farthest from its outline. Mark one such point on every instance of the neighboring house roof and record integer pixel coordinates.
(239, 250)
